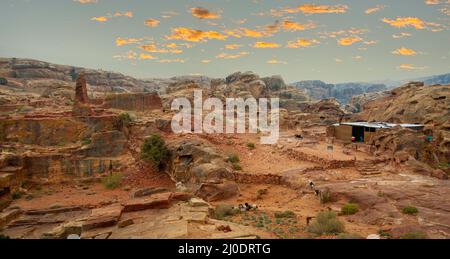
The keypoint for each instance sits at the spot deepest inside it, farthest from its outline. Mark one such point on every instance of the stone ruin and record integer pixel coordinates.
(81, 106)
(81, 90)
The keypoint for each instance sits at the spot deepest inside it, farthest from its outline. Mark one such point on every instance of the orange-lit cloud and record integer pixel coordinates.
(86, 1)
(294, 26)
(178, 60)
(152, 22)
(144, 56)
(187, 34)
(233, 46)
(375, 9)
(232, 56)
(276, 62)
(100, 19)
(347, 41)
(153, 48)
(404, 52)
(122, 41)
(403, 22)
(410, 67)
(125, 14)
(301, 43)
(318, 9)
(266, 45)
(203, 13)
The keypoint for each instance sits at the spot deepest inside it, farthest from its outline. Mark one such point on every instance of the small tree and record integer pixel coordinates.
(3, 81)
(123, 121)
(155, 150)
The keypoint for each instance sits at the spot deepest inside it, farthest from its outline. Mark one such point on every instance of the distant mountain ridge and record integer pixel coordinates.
(344, 92)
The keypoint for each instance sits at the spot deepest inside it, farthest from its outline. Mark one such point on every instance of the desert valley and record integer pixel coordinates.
(91, 154)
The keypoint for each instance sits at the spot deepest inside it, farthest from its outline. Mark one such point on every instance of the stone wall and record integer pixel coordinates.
(133, 102)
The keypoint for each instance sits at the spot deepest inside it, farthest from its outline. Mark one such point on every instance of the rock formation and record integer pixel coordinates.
(81, 95)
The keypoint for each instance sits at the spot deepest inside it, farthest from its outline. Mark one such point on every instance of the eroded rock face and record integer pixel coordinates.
(195, 162)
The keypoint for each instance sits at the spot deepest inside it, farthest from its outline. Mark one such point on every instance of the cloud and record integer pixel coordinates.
(232, 56)
(318, 9)
(301, 43)
(152, 22)
(233, 46)
(178, 60)
(203, 13)
(122, 41)
(347, 41)
(266, 45)
(187, 34)
(86, 1)
(401, 35)
(276, 62)
(153, 48)
(404, 52)
(100, 19)
(417, 23)
(375, 9)
(206, 61)
(125, 14)
(144, 56)
(294, 26)
(410, 67)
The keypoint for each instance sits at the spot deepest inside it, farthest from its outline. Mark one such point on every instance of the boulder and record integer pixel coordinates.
(218, 191)
(103, 217)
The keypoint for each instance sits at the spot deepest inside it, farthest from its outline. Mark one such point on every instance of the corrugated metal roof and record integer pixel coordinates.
(379, 125)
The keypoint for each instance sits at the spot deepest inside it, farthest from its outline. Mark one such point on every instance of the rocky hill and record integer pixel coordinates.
(342, 92)
(414, 103)
(39, 76)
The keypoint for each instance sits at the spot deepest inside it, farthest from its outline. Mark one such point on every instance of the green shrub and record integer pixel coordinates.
(285, 214)
(251, 146)
(224, 210)
(155, 150)
(349, 236)
(326, 223)
(349, 209)
(415, 235)
(237, 167)
(385, 234)
(233, 158)
(16, 195)
(112, 181)
(86, 141)
(410, 210)
(3, 81)
(325, 196)
(122, 121)
(4, 237)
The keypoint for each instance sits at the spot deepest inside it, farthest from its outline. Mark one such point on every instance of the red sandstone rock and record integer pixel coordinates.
(181, 196)
(157, 201)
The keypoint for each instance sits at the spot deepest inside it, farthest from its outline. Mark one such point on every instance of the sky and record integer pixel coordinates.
(334, 41)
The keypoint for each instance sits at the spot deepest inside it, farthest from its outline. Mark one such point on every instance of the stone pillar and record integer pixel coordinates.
(81, 95)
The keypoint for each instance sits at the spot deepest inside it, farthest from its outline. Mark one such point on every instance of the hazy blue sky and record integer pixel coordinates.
(334, 40)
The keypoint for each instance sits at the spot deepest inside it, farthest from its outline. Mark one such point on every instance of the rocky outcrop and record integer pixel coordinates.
(413, 103)
(342, 92)
(201, 169)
